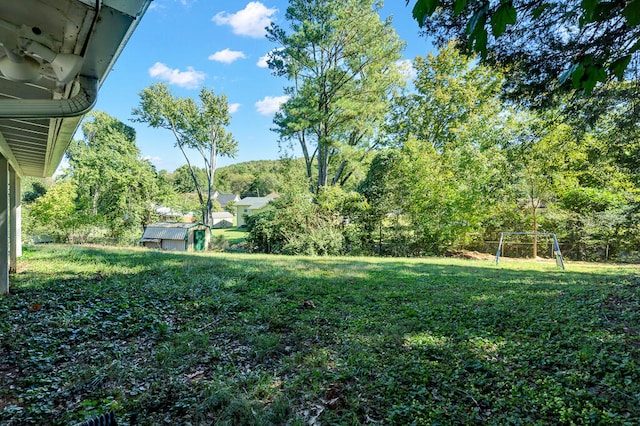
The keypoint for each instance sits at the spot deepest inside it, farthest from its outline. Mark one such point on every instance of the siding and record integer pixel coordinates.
(174, 245)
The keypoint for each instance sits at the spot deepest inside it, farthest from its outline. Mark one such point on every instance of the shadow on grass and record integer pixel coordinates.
(240, 339)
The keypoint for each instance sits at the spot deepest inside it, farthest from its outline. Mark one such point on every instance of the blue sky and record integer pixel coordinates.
(220, 45)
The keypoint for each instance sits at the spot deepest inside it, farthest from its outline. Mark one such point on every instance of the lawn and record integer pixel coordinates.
(164, 338)
(232, 235)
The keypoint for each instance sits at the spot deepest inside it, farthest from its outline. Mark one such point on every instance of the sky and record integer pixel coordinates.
(189, 44)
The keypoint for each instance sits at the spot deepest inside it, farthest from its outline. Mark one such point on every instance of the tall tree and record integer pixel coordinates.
(451, 94)
(196, 126)
(341, 60)
(111, 180)
(449, 167)
(545, 42)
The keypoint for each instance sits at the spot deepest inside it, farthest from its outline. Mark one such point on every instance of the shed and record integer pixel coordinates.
(221, 220)
(177, 236)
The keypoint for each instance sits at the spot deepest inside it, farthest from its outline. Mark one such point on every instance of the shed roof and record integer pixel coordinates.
(168, 231)
(221, 215)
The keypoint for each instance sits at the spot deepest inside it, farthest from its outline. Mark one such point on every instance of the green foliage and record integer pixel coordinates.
(259, 178)
(453, 99)
(197, 126)
(341, 60)
(114, 186)
(432, 192)
(587, 200)
(182, 338)
(54, 213)
(532, 38)
(182, 179)
(294, 224)
(32, 189)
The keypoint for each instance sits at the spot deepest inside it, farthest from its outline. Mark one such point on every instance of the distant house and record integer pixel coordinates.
(177, 236)
(166, 214)
(222, 220)
(224, 199)
(251, 205)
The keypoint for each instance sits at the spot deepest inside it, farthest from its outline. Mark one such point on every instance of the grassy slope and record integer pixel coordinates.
(250, 339)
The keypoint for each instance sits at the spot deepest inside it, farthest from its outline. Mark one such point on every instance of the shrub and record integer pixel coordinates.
(294, 224)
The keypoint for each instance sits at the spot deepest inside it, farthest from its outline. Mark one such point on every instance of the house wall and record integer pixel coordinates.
(240, 213)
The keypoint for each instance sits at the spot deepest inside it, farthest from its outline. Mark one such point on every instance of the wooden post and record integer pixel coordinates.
(15, 220)
(4, 226)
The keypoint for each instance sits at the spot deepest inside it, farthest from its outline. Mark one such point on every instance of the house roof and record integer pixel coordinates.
(255, 202)
(167, 231)
(224, 199)
(82, 40)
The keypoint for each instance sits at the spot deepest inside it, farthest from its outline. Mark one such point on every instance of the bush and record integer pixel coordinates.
(294, 224)
(218, 243)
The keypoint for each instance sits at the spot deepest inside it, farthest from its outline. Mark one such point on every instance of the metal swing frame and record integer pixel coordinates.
(556, 247)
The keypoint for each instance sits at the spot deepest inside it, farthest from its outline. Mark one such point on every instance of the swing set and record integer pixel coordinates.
(556, 247)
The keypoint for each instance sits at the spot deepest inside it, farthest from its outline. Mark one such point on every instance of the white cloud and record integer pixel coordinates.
(155, 160)
(190, 79)
(250, 21)
(233, 108)
(227, 56)
(405, 67)
(270, 104)
(262, 62)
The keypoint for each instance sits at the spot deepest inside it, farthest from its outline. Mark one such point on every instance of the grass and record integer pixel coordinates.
(232, 235)
(164, 338)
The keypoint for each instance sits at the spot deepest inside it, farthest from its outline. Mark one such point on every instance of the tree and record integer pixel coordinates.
(182, 178)
(113, 184)
(341, 60)
(33, 188)
(382, 190)
(448, 168)
(197, 126)
(451, 95)
(544, 161)
(54, 212)
(578, 43)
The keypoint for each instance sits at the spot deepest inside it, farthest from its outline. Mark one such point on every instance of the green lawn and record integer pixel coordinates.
(232, 235)
(235, 339)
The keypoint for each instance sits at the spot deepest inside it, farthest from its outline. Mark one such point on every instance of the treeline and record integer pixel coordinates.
(247, 179)
(460, 165)
(106, 194)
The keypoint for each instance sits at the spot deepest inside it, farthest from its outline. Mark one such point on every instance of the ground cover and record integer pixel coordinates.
(232, 235)
(168, 338)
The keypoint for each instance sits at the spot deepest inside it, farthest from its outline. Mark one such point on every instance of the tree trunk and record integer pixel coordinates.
(535, 232)
(96, 195)
(213, 154)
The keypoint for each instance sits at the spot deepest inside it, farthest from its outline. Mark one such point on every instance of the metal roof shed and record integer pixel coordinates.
(177, 236)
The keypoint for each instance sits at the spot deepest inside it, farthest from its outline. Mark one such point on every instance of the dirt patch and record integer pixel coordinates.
(467, 254)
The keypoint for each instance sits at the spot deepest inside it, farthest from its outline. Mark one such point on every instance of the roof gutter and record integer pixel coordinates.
(78, 105)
